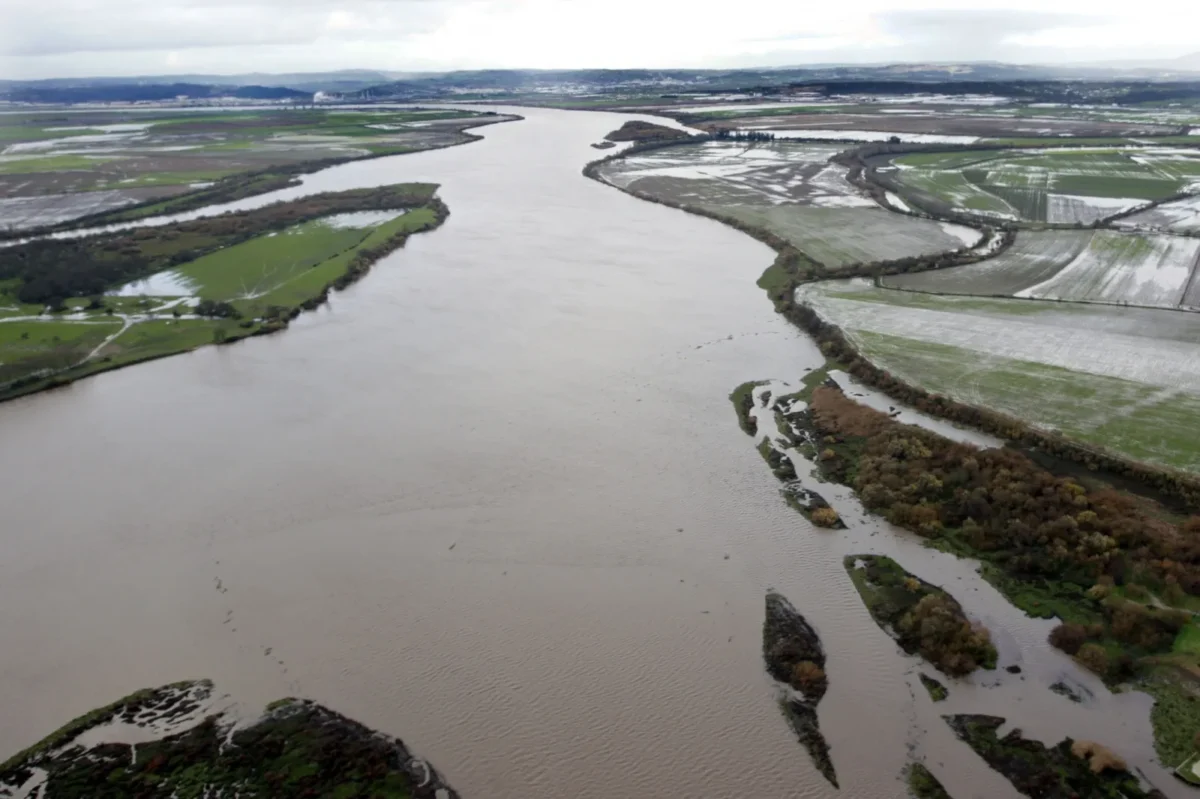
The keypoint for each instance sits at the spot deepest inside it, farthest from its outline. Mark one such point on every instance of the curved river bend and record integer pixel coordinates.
(493, 500)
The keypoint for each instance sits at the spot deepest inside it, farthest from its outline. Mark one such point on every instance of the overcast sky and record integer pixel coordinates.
(67, 38)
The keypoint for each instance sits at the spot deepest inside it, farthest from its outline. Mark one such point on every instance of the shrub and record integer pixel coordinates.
(1069, 637)
(1100, 758)
(809, 678)
(825, 517)
(1094, 658)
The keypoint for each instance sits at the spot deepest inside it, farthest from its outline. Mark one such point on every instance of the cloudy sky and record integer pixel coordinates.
(65, 38)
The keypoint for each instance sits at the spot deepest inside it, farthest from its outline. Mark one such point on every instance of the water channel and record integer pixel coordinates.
(494, 500)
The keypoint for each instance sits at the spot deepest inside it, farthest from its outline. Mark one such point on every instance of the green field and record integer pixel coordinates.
(52, 163)
(1133, 418)
(1024, 184)
(242, 289)
(260, 265)
(30, 347)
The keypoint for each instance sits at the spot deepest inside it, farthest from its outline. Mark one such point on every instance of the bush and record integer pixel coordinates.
(945, 638)
(1069, 637)
(1100, 758)
(1093, 658)
(825, 517)
(809, 678)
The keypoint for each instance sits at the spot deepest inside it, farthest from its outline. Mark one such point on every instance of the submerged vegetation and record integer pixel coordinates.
(794, 656)
(1063, 525)
(923, 618)
(1066, 770)
(923, 785)
(296, 748)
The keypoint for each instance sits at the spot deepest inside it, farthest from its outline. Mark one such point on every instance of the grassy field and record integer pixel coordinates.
(1107, 377)
(147, 158)
(243, 289)
(1049, 185)
(1081, 266)
(1124, 268)
(260, 265)
(30, 347)
(1033, 258)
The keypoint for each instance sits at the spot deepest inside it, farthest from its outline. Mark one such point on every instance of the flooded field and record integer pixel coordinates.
(1119, 377)
(497, 485)
(794, 191)
(52, 172)
(1047, 185)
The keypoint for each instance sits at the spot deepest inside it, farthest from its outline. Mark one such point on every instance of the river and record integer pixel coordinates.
(493, 500)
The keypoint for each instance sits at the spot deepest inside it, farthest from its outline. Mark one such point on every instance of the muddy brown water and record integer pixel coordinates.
(493, 500)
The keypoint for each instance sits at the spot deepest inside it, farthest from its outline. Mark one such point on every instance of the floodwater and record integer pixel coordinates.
(493, 500)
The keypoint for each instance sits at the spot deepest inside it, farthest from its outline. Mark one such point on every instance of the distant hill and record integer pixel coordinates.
(136, 92)
(367, 85)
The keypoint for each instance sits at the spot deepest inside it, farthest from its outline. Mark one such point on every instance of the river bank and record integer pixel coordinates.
(531, 511)
(221, 279)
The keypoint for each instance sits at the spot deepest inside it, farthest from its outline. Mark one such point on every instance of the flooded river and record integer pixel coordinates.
(493, 500)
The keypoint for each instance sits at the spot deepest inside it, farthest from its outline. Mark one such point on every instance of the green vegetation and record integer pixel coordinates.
(1068, 770)
(74, 728)
(28, 348)
(923, 785)
(794, 656)
(50, 270)
(296, 749)
(50, 163)
(638, 131)
(937, 691)
(247, 284)
(159, 162)
(743, 402)
(1050, 545)
(923, 618)
(1019, 184)
(1176, 692)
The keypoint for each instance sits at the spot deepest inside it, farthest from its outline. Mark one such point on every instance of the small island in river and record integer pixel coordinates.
(923, 618)
(172, 742)
(72, 307)
(794, 656)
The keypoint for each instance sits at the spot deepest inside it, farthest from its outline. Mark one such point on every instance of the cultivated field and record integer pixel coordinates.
(61, 166)
(1179, 216)
(1060, 186)
(1127, 379)
(791, 190)
(1083, 266)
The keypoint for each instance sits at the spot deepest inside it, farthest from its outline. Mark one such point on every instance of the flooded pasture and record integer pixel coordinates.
(494, 500)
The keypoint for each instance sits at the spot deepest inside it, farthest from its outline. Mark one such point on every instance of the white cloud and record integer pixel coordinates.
(86, 37)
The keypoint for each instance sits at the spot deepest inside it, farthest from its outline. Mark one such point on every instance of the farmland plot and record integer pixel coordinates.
(1181, 216)
(733, 172)
(791, 190)
(1060, 186)
(1033, 258)
(840, 237)
(1168, 363)
(1125, 268)
(1127, 379)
